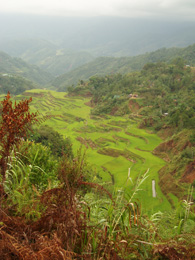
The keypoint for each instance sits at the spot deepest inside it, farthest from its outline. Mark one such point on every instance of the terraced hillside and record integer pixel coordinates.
(118, 150)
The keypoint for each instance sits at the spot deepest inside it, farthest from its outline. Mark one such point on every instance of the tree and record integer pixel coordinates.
(14, 124)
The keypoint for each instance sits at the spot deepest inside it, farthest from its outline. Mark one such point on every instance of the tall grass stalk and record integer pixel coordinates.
(21, 194)
(188, 203)
(130, 203)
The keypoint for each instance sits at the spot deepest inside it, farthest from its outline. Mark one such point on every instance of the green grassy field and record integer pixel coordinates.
(114, 144)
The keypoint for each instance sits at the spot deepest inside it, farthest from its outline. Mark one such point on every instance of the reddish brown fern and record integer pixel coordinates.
(14, 123)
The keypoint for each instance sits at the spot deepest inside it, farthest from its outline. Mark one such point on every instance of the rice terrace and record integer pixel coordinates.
(116, 148)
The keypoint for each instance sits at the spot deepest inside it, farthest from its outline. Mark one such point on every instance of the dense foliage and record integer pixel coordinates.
(162, 91)
(52, 139)
(109, 65)
(14, 124)
(16, 66)
(14, 84)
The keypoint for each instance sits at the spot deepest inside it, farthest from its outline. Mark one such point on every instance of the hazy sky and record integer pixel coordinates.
(182, 9)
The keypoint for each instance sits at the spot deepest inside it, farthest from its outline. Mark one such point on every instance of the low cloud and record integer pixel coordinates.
(181, 9)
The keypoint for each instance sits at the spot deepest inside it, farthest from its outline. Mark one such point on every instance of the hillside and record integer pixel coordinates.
(109, 65)
(17, 66)
(14, 84)
(112, 147)
(161, 97)
(47, 56)
(117, 118)
(59, 62)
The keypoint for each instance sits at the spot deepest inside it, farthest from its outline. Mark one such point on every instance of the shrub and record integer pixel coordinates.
(52, 139)
(45, 172)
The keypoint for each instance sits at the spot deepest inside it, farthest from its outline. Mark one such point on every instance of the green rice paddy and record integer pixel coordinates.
(114, 144)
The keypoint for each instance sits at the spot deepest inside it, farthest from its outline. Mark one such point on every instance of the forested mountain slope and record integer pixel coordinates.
(47, 55)
(15, 84)
(17, 66)
(109, 65)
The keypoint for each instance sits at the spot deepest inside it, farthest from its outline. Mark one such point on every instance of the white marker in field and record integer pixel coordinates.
(153, 189)
(129, 173)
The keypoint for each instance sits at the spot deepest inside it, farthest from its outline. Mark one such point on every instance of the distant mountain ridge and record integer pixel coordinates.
(47, 56)
(108, 65)
(62, 44)
(57, 61)
(99, 36)
(17, 66)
